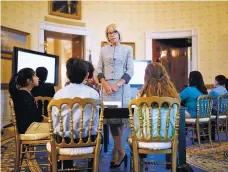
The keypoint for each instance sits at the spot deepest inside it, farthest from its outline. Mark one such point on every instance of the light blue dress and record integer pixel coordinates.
(115, 63)
(154, 112)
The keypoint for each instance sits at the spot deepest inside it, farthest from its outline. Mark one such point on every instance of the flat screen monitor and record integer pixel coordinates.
(139, 71)
(23, 58)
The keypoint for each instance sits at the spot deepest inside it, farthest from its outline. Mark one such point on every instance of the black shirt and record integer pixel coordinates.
(26, 110)
(43, 89)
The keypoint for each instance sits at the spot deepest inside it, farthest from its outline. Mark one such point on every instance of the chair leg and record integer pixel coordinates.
(131, 162)
(54, 163)
(174, 158)
(49, 163)
(18, 154)
(141, 165)
(218, 131)
(209, 132)
(136, 162)
(227, 127)
(193, 134)
(93, 164)
(198, 132)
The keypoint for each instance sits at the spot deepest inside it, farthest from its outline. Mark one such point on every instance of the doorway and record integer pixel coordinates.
(193, 34)
(174, 54)
(65, 46)
(65, 29)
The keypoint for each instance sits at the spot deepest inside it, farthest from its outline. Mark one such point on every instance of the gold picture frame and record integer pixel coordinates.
(68, 9)
(10, 38)
(13, 38)
(131, 44)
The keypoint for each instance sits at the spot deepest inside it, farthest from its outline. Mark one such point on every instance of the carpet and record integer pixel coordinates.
(8, 156)
(8, 159)
(209, 158)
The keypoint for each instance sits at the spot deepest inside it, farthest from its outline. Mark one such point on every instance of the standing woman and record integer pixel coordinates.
(115, 69)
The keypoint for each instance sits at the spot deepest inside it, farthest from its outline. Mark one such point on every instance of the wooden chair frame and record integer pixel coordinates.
(221, 111)
(24, 146)
(55, 147)
(42, 99)
(174, 139)
(203, 111)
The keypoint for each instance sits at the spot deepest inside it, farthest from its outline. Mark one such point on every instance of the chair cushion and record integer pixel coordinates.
(34, 136)
(152, 145)
(213, 116)
(220, 117)
(193, 120)
(72, 151)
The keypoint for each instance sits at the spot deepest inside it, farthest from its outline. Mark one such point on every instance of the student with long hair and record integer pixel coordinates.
(29, 120)
(156, 83)
(190, 94)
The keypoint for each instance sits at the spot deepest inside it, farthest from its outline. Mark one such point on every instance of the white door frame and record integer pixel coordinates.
(192, 65)
(65, 29)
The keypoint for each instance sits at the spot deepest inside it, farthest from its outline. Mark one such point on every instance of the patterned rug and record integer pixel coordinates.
(205, 159)
(209, 158)
(8, 156)
(8, 160)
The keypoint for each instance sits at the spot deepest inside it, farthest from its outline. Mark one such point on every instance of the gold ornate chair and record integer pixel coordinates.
(203, 117)
(221, 117)
(25, 144)
(42, 102)
(75, 148)
(154, 129)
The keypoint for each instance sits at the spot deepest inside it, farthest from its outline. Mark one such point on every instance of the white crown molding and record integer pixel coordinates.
(44, 25)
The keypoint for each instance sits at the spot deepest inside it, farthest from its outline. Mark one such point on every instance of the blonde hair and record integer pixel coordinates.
(115, 27)
(157, 83)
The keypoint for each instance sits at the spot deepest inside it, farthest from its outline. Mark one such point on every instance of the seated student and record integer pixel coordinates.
(29, 120)
(219, 90)
(227, 84)
(157, 83)
(77, 71)
(90, 81)
(190, 94)
(43, 89)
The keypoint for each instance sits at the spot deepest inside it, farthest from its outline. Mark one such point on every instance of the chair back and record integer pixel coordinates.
(155, 119)
(65, 111)
(14, 118)
(42, 103)
(204, 106)
(222, 105)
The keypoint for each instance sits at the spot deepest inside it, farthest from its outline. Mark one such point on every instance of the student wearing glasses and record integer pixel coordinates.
(115, 70)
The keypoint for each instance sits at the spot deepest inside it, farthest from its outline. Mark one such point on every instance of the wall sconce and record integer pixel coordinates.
(174, 52)
(163, 54)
